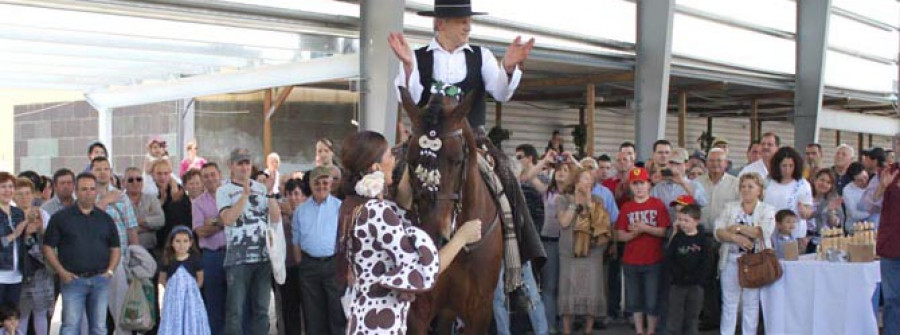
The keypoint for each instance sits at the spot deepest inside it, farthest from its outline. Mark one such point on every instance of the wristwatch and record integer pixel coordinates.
(109, 273)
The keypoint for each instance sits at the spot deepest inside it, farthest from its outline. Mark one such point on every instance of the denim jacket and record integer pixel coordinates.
(7, 226)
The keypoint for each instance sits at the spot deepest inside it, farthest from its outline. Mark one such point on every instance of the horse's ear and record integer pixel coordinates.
(463, 108)
(408, 105)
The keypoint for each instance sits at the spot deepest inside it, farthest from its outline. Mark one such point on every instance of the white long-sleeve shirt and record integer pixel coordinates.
(450, 68)
(852, 197)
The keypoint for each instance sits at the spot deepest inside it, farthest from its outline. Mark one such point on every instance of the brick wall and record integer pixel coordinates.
(51, 136)
(223, 126)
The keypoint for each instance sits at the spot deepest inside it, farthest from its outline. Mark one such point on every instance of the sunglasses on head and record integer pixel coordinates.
(135, 179)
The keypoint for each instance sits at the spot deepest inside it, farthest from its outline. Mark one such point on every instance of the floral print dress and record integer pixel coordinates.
(389, 258)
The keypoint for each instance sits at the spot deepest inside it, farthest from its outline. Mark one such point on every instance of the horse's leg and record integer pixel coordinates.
(481, 289)
(478, 318)
(421, 312)
(445, 321)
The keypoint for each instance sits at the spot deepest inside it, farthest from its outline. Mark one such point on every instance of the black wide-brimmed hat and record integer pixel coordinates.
(451, 8)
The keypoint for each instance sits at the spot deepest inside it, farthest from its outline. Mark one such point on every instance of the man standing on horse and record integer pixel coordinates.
(449, 60)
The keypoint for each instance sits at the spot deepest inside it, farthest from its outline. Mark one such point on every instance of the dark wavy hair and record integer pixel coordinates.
(780, 156)
(855, 169)
(360, 151)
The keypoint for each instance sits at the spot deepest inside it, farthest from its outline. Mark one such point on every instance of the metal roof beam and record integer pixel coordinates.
(43, 48)
(18, 33)
(316, 70)
(578, 81)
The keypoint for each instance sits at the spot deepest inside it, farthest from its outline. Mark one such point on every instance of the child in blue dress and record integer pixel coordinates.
(181, 273)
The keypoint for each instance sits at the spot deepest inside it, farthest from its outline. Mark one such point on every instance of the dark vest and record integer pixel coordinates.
(472, 83)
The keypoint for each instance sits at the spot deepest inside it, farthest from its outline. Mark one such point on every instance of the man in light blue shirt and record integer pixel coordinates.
(609, 201)
(315, 228)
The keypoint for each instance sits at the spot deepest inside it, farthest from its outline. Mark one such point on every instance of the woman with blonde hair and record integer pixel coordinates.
(588, 163)
(743, 226)
(584, 234)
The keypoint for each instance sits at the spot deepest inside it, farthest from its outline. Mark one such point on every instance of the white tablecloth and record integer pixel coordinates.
(822, 298)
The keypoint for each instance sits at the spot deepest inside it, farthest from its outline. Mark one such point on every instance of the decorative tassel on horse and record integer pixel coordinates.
(430, 144)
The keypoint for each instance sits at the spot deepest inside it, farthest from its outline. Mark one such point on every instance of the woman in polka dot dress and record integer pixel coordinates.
(389, 259)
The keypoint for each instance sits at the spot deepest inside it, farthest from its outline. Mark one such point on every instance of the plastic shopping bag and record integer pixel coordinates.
(137, 313)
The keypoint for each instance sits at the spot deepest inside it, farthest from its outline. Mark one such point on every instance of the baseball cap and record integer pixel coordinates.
(638, 174)
(684, 200)
(875, 153)
(239, 155)
(679, 155)
(320, 171)
(698, 155)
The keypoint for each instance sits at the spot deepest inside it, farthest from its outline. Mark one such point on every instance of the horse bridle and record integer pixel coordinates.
(456, 196)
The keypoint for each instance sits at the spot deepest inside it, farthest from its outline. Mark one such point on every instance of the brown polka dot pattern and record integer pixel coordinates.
(390, 256)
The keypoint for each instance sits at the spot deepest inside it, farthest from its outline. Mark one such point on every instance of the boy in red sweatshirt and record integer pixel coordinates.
(642, 226)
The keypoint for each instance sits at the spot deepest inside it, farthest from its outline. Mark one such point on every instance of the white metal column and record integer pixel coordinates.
(812, 43)
(104, 130)
(379, 66)
(654, 56)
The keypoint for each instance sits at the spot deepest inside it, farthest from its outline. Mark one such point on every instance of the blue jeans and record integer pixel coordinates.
(550, 282)
(248, 283)
(641, 288)
(536, 314)
(214, 289)
(890, 288)
(85, 295)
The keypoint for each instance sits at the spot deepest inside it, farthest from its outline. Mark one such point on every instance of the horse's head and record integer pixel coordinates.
(441, 146)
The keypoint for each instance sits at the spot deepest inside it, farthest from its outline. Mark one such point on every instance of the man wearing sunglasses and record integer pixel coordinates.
(147, 209)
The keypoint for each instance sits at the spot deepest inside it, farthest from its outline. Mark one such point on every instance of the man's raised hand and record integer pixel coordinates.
(401, 49)
(516, 53)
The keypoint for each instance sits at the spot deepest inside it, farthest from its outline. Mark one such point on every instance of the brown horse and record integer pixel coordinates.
(466, 289)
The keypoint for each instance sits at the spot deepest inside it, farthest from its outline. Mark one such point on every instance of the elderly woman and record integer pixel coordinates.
(743, 226)
(37, 288)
